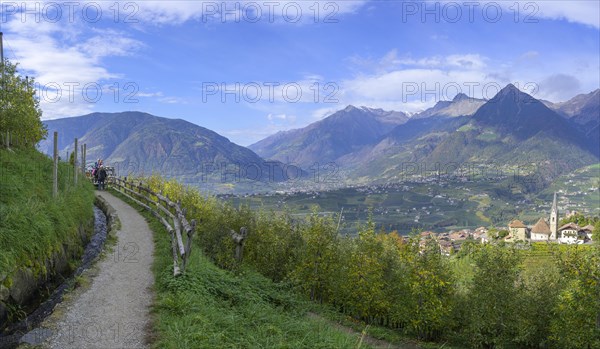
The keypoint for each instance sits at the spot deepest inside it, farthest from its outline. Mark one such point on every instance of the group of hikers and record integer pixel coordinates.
(99, 174)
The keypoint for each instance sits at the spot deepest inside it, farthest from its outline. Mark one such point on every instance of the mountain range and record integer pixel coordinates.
(327, 140)
(512, 128)
(140, 143)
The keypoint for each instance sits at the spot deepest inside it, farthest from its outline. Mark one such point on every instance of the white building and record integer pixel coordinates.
(569, 234)
(541, 231)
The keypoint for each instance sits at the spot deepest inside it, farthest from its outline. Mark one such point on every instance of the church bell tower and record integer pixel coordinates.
(554, 219)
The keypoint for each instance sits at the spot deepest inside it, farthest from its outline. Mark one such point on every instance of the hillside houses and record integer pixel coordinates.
(543, 230)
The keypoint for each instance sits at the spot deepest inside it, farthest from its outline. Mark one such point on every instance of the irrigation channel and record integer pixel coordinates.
(26, 331)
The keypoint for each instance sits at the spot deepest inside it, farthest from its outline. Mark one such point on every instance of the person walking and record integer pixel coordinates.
(101, 177)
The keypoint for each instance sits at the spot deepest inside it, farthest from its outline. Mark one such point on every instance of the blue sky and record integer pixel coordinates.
(207, 64)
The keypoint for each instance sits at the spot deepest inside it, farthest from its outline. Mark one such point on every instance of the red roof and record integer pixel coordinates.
(572, 226)
(588, 227)
(541, 227)
(517, 224)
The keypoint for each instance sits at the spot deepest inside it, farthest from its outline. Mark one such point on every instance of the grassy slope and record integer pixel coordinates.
(32, 224)
(209, 307)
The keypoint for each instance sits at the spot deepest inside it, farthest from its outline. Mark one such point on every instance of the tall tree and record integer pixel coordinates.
(576, 323)
(317, 258)
(20, 113)
(493, 297)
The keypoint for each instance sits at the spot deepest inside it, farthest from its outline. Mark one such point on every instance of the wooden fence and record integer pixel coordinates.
(8, 139)
(166, 211)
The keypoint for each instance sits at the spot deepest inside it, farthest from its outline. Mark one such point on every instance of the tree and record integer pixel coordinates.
(317, 257)
(492, 300)
(20, 113)
(364, 281)
(503, 233)
(576, 323)
(431, 289)
(271, 249)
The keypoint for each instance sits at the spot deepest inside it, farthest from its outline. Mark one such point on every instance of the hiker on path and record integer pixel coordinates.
(95, 170)
(101, 177)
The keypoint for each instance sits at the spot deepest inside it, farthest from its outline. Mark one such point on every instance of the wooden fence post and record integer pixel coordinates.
(84, 157)
(188, 245)
(75, 169)
(143, 196)
(239, 239)
(55, 169)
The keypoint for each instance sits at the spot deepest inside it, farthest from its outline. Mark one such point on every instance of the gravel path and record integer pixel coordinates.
(371, 341)
(114, 311)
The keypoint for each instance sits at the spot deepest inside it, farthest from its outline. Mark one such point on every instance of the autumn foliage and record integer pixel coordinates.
(405, 283)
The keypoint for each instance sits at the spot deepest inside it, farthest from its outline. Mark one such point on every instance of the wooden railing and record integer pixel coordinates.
(165, 211)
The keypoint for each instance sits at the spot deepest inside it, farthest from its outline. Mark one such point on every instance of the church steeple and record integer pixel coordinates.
(554, 219)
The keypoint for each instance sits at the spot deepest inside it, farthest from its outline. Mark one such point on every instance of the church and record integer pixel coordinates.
(543, 230)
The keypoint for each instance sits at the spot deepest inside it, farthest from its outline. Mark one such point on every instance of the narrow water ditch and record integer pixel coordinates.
(26, 329)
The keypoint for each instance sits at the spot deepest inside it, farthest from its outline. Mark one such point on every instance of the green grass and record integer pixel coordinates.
(213, 308)
(33, 225)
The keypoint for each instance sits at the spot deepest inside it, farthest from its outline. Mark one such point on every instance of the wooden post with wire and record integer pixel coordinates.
(83, 151)
(2, 58)
(75, 168)
(2, 79)
(55, 169)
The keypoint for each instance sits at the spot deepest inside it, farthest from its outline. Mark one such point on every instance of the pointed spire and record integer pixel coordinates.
(554, 219)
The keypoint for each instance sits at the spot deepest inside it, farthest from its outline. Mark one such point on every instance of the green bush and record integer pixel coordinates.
(488, 296)
(19, 109)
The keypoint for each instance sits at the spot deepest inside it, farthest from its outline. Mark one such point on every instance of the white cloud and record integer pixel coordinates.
(555, 87)
(584, 12)
(391, 61)
(251, 11)
(527, 11)
(149, 94)
(311, 88)
(160, 97)
(468, 61)
(65, 59)
(283, 117)
(414, 84)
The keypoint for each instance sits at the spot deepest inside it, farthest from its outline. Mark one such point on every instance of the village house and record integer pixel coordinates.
(588, 230)
(540, 231)
(484, 238)
(569, 233)
(517, 231)
(543, 230)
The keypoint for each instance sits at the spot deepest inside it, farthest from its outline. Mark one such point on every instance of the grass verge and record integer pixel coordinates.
(33, 224)
(213, 308)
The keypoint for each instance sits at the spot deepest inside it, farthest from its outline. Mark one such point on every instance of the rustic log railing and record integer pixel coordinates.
(165, 211)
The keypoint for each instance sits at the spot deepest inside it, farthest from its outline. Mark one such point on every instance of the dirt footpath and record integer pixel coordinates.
(114, 311)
